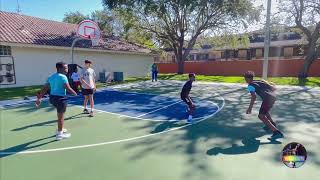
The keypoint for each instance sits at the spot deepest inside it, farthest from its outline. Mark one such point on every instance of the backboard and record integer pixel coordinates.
(89, 30)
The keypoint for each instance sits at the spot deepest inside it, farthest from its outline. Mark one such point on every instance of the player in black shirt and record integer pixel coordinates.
(186, 98)
(266, 91)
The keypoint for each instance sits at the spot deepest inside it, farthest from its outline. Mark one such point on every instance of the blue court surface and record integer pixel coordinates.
(146, 106)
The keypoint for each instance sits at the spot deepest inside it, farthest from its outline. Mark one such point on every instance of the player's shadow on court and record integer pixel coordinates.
(49, 123)
(250, 145)
(26, 146)
(167, 125)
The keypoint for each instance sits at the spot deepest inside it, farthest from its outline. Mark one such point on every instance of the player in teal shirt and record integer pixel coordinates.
(58, 85)
(57, 82)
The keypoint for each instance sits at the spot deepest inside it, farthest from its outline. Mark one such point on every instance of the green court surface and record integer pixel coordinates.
(224, 145)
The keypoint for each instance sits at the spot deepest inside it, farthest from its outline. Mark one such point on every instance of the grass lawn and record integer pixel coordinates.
(311, 81)
(20, 92)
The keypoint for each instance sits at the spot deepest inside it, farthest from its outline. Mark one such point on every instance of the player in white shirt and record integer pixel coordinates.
(76, 80)
(88, 83)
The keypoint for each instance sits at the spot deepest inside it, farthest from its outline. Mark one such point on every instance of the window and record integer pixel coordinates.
(5, 50)
(253, 53)
(202, 56)
(299, 51)
(173, 58)
(190, 57)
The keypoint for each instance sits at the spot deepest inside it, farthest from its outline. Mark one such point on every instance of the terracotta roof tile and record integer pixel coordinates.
(17, 28)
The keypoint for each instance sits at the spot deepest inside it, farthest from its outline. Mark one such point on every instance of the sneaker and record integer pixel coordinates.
(276, 135)
(91, 114)
(62, 136)
(63, 131)
(85, 111)
(189, 120)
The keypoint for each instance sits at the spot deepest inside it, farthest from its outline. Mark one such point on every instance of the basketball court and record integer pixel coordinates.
(139, 132)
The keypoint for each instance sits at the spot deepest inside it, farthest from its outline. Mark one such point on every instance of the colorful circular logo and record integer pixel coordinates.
(294, 155)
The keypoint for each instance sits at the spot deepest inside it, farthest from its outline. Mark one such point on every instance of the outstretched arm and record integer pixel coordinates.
(253, 99)
(41, 93)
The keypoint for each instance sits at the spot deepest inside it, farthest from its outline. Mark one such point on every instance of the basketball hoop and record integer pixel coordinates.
(88, 29)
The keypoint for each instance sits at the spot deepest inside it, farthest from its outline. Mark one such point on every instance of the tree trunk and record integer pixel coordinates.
(180, 65)
(180, 61)
(305, 68)
(311, 56)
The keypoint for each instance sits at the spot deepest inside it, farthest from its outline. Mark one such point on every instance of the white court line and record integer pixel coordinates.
(159, 109)
(139, 118)
(116, 141)
(144, 119)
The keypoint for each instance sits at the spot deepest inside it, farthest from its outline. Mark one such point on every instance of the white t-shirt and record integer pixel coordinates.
(88, 76)
(75, 77)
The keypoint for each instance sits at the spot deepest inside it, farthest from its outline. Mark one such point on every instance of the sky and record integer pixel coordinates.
(51, 9)
(55, 9)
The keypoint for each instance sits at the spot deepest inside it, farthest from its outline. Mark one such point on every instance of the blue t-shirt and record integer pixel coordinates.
(57, 82)
(251, 89)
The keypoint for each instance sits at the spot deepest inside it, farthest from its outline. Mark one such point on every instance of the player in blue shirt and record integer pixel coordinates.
(266, 91)
(186, 98)
(58, 84)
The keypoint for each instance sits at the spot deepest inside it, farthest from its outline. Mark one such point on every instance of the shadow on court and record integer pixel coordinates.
(50, 123)
(26, 146)
(167, 126)
(250, 145)
(230, 132)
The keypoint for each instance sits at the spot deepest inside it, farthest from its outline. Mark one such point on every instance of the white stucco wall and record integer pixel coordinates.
(34, 65)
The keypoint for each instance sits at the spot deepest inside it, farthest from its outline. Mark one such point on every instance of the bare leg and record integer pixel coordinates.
(91, 102)
(270, 119)
(191, 109)
(266, 121)
(60, 121)
(85, 102)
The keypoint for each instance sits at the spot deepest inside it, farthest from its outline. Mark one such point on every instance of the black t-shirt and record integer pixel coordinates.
(186, 89)
(263, 89)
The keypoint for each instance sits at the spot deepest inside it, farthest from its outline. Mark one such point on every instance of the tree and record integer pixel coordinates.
(130, 31)
(180, 22)
(74, 17)
(226, 40)
(104, 20)
(102, 17)
(304, 15)
(115, 23)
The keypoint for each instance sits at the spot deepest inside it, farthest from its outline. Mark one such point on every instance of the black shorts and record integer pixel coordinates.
(59, 102)
(86, 92)
(266, 106)
(186, 100)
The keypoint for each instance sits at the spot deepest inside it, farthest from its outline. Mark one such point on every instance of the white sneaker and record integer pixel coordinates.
(91, 114)
(63, 136)
(63, 131)
(189, 119)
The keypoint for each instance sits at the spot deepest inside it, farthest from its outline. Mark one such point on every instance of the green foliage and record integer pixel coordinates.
(227, 40)
(311, 81)
(131, 32)
(178, 24)
(116, 22)
(74, 17)
(104, 19)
